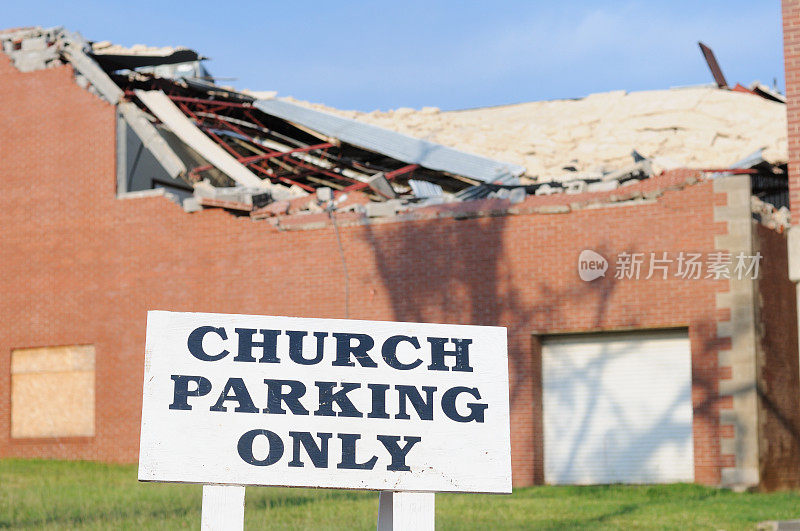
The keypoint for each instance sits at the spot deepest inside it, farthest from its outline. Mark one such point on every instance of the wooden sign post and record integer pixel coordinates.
(409, 409)
(405, 510)
(223, 507)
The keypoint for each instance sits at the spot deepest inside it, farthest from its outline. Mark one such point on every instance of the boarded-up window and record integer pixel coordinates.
(52, 392)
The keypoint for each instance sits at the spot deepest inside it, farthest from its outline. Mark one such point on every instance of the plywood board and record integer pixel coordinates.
(52, 359)
(58, 404)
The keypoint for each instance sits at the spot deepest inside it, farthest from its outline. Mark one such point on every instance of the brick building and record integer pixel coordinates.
(84, 259)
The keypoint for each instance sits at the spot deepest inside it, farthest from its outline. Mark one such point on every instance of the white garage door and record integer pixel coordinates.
(617, 408)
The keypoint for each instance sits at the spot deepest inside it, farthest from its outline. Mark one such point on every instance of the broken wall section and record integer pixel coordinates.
(145, 161)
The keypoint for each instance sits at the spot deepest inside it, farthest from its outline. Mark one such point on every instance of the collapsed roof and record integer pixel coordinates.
(692, 127)
(213, 146)
(195, 130)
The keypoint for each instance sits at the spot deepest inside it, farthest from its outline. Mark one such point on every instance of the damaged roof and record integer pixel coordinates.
(283, 148)
(397, 145)
(211, 146)
(115, 57)
(692, 127)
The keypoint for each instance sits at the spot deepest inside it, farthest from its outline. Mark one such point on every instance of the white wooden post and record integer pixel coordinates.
(223, 508)
(406, 511)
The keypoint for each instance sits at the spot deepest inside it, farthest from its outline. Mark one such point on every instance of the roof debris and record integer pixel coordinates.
(777, 219)
(711, 60)
(694, 127)
(254, 154)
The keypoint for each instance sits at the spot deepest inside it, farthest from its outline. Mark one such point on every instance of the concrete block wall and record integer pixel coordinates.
(737, 388)
(82, 267)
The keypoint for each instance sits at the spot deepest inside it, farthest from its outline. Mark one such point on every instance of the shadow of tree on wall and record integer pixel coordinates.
(706, 408)
(434, 269)
(450, 272)
(458, 271)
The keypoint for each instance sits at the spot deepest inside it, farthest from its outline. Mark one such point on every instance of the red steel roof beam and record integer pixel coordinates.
(337, 176)
(271, 155)
(209, 102)
(270, 175)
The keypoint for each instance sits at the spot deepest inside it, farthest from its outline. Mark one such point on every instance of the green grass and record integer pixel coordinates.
(81, 495)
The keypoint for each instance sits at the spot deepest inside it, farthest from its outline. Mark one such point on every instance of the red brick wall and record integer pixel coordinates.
(81, 266)
(778, 370)
(791, 58)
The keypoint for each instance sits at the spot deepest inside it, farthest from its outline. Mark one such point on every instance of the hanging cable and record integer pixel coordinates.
(344, 261)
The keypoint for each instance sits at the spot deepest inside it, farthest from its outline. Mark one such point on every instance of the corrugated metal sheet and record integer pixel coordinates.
(618, 408)
(396, 145)
(424, 188)
(482, 191)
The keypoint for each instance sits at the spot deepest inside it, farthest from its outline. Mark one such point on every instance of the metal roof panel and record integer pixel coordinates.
(390, 143)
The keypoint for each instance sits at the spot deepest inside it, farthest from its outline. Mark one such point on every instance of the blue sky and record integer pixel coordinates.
(448, 54)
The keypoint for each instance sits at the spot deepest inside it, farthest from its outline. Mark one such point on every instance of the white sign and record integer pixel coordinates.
(283, 401)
